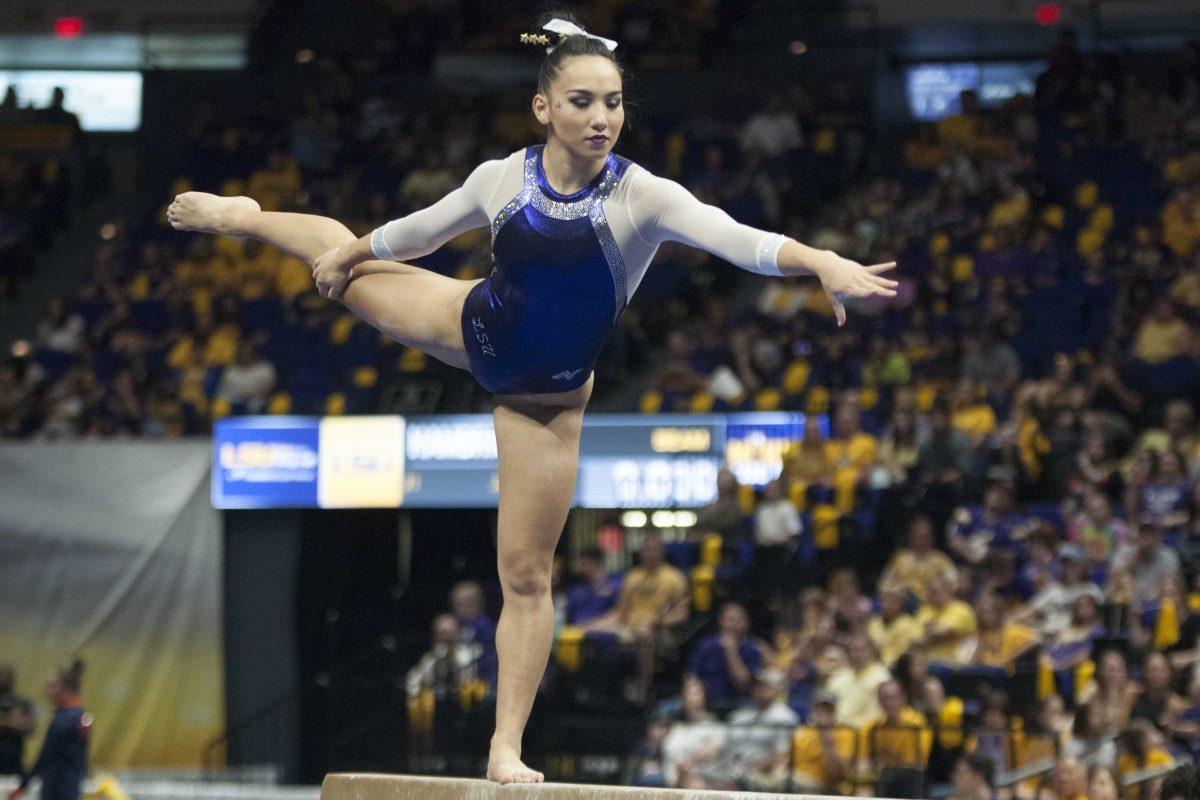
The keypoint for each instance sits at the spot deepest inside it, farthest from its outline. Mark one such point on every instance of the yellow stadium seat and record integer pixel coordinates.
(926, 394)
(701, 402)
(987, 241)
(1101, 218)
(220, 408)
(702, 583)
(1087, 194)
(1054, 216)
(798, 494)
(281, 403)
(825, 526)
(767, 399)
(868, 398)
(796, 376)
(568, 648)
(651, 402)
(745, 496)
(939, 243)
(710, 549)
(335, 404)
(962, 267)
(412, 360)
(1089, 240)
(339, 331)
(817, 401)
(365, 377)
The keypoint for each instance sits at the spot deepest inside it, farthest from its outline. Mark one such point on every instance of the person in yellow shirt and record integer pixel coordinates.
(999, 642)
(899, 737)
(892, 630)
(653, 603)
(856, 685)
(946, 624)
(972, 415)
(851, 448)
(1162, 335)
(915, 566)
(1141, 751)
(822, 753)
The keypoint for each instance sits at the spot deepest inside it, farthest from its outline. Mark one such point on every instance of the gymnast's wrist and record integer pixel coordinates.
(358, 251)
(800, 259)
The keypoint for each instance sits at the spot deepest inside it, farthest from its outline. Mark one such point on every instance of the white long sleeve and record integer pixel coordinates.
(424, 231)
(662, 210)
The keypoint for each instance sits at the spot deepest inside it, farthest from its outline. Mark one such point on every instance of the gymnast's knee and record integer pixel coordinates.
(525, 576)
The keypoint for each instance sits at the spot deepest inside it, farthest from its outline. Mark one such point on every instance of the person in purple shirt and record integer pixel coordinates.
(466, 602)
(726, 660)
(597, 593)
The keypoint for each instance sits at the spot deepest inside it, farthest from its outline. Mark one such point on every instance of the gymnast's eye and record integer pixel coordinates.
(581, 102)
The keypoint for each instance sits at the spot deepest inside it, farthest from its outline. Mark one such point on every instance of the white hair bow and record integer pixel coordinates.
(564, 28)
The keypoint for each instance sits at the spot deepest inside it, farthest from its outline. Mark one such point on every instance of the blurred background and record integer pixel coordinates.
(953, 543)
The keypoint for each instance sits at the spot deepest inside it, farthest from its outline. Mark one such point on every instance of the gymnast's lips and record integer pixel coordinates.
(598, 138)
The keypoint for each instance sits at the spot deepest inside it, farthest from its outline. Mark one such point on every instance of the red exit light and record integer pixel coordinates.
(68, 27)
(1047, 13)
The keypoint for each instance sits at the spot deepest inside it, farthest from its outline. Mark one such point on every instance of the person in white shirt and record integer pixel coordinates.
(248, 380)
(772, 131)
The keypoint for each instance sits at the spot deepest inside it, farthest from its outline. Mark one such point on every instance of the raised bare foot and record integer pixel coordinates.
(504, 766)
(208, 213)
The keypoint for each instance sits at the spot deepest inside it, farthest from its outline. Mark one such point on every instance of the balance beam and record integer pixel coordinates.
(414, 787)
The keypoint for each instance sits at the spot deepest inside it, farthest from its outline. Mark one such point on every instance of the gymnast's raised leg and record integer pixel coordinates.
(411, 305)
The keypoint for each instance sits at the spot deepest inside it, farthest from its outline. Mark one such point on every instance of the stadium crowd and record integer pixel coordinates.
(1015, 433)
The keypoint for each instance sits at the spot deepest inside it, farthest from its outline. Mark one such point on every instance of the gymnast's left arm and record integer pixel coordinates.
(662, 210)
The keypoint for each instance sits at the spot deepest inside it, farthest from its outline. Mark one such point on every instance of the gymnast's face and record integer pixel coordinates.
(584, 109)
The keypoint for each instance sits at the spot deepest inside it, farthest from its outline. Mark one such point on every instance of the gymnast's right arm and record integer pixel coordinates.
(421, 232)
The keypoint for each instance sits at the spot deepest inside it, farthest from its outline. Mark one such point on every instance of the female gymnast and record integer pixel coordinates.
(573, 229)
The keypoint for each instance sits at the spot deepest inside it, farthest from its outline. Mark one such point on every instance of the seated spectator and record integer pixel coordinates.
(822, 752)
(994, 736)
(892, 630)
(807, 462)
(946, 622)
(757, 750)
(726, 660)
(693, 745)
(1072, 645)
(1144, 562)
(856, 685)
(1114, 691)
(974, 778)
(990, 362)
(1091, 740)
(945, 456)
(914, 567)
(1142, 749)
(644, 767)
(724, 515)
(247, 383)
(1162, 336)
(999, 642)
(475, 627)
(972, 415)
(1103, 783)
(596, 593)
(1164, 499)
(1183, 783)
(898, 737)
(652, 604)
(897, 451)
(776, 528)
(1157, 703)
(61, 330)
(851, 450)
(1050, 610)
(974, 531)
(1067, 782)
(1096, 530)
(450, 664)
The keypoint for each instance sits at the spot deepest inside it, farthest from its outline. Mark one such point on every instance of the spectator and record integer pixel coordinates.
(1162, 336)
(247, 383)
(1183, 783)
(726, 661)
(1072, 645)
(724, 515)
(897, 451)
(991, 363)
(1067, 782)
(16, 723)
(450, 664)
(856, 685)
(822, 753)
(1091, 741)
(1114, 692)
(1103, 783)
(756, 753)
(946, 622)
(898, 737)
(772, 131)
(693, 745)
(916, 566)
(474, 626)
(61, 331)
(1052, 607)
(892, 630)
(974, 778)
(999, 642)
(62, 763)
(652, 604)
(776, 528)
(1144, 562)
(596, 593)
(976, 531)
(944, 457)
(1141, 749)
(1157, 703)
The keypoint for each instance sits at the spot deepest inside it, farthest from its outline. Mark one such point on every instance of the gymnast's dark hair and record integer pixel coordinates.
(564, 47)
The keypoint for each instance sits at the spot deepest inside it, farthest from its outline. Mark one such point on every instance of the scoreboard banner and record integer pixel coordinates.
(449, 461)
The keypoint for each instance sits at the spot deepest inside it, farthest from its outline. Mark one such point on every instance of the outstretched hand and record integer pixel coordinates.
(842, 278)
(331, 272)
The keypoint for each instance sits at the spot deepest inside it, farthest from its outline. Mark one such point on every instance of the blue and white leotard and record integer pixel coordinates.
(565, 266)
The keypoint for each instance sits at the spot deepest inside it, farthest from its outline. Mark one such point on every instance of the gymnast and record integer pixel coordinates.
(573, 228)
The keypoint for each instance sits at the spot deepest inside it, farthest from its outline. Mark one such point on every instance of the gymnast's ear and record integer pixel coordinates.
(541, 108)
